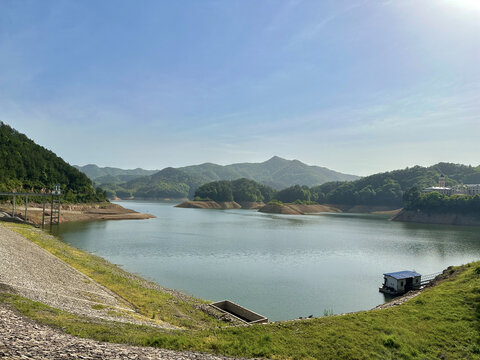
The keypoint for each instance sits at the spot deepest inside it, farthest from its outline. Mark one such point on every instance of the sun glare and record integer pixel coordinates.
(471, 5)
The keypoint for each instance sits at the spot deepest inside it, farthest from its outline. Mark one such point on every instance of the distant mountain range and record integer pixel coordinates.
(182, 182)
(111, 175)
(275, 172)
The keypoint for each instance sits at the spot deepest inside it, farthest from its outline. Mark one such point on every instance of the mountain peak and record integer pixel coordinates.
(275, 158)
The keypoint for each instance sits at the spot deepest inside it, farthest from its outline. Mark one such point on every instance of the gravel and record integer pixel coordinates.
(21, 338)
(28, 270)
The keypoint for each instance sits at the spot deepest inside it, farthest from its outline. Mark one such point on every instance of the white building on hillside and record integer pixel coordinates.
(441, 189)
(467, 189)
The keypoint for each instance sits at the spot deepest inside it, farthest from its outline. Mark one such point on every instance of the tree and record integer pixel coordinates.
(294, 193)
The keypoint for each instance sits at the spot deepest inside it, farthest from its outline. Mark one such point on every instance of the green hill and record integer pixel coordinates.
(388, 188)
(275, 172)
(240, 190)
(111, 175)
(167, 183)
(182, 182)
(26, 165)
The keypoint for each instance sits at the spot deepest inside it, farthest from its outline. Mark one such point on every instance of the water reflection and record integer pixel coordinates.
(281, 266)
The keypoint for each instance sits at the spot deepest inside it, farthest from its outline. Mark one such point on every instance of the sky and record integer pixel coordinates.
(356, 86)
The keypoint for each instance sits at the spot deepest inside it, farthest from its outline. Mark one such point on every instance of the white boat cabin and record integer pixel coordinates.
(401, 282)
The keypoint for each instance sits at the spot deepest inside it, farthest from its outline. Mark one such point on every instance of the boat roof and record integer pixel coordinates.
(403, 274)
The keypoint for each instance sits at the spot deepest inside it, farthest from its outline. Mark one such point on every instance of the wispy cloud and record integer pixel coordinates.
(314, 29)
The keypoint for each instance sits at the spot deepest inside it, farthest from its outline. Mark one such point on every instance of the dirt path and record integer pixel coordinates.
(28, 270)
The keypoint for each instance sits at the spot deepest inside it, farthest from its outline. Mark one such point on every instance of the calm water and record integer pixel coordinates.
(278, 265)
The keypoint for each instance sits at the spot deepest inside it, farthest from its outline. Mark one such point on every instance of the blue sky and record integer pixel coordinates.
(356, 86)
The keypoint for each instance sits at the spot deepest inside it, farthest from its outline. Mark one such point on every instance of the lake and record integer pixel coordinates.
(281, 266)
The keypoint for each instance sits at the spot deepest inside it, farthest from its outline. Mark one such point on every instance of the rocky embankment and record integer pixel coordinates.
(298, 209)
(437, 218)
(21, 338)
(30, 271)
(219, 205)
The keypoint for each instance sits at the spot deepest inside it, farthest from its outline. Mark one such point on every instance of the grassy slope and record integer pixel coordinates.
(442, 322)
(141, 294)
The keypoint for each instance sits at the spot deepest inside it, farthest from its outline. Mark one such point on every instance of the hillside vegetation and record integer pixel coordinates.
(182, 182)
(384, 189)
(111, 175)
(276, 172)
(241, 190)
(26, 165)
(388, 188)
(435, 202)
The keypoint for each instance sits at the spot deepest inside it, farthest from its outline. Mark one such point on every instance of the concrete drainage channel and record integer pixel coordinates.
(239, 312)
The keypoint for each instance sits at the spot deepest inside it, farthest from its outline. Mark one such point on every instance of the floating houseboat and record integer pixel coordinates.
(400, 282)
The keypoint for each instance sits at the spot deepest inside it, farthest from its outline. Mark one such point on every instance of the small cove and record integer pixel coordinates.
(280, 266)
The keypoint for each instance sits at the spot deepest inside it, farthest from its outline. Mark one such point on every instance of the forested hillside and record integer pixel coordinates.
(384, 189)
(167, 183)
(387, 188)
(240, 190)
(111, 175)
(182, 182)
(26, 165)
(434, 202)
(275, 172)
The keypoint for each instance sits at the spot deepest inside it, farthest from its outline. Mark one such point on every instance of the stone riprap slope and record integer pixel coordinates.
(20, 338)
(28, 270)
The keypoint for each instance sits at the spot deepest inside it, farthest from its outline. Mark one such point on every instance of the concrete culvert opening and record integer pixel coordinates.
(239, 312)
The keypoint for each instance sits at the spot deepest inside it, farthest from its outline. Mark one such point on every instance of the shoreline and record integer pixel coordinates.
(290, 208)
(287, 339)
(77, 213)
(219, 205)
(418, 217)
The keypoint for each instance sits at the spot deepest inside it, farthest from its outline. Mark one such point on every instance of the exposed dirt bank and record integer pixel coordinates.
(290, 209)
(251, 205)
(369, 209)
(78, 212)
(218, 205)
(442, 219)
(298, 209)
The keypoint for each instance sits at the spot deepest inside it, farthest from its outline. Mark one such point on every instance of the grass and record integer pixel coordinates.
(443, 322)
(141, 294)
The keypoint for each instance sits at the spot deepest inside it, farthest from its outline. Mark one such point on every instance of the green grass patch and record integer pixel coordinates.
(441, 322)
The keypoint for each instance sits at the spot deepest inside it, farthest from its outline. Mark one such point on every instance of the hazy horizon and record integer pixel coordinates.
(133, 168)
(356, 86)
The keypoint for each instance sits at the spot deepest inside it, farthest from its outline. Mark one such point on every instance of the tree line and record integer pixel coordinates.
(343, 193)
(26, 167)
(379, 191)
(241, 190)
(435, 202)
